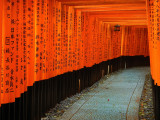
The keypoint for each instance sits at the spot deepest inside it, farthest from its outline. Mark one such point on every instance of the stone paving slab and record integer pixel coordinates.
(117, 98)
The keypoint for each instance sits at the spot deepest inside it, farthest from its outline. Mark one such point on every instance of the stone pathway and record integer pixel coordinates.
(114, 97)
(117, 98)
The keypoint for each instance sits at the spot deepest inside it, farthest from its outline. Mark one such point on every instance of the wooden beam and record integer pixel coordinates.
(100, 2)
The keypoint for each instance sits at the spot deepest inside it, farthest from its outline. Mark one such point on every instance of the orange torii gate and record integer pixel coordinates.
(43, 39)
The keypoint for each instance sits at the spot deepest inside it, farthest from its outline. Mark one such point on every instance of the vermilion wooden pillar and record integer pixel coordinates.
(153, 7)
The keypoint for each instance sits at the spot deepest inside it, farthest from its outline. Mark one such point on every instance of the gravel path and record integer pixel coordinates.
(146, 110)
(59, 109)
(114, 97)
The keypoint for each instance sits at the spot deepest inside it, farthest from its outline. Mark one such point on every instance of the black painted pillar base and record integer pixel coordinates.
(156, 100)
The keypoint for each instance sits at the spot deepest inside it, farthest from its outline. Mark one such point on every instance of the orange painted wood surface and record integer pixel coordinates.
(41, 39)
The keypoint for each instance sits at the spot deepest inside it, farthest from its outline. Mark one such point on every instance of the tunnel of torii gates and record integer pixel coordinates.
(42, 39)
